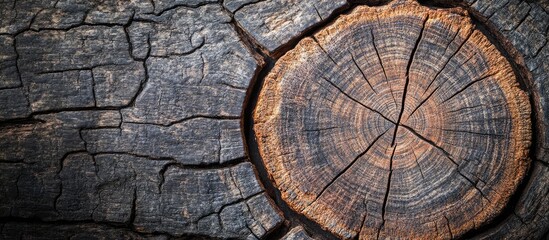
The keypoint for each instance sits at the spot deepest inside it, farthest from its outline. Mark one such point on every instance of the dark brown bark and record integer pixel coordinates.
(134, 119)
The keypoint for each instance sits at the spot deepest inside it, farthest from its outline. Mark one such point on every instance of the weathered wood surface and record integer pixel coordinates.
(124, 119)
(276, 22)
(524, 27)
(422, 134)
(297, 233)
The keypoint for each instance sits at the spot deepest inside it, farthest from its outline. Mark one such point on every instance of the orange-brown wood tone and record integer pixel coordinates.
(398, 121)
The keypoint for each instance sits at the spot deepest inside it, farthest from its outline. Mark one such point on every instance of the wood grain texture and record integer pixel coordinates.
(275, 23)
(398, 121)
(297, 233)
(125, 119)
(523, 28)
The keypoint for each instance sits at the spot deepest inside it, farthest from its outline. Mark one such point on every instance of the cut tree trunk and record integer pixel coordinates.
(398, 121)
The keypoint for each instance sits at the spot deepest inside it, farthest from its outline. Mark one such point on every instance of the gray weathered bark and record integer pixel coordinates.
(133, 119)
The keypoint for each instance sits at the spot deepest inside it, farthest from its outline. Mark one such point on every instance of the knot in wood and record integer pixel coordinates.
(397, 121)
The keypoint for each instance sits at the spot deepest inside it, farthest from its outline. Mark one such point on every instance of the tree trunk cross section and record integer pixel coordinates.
(395, 121)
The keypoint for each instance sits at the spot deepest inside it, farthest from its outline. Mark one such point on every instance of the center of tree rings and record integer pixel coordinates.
(395, 121)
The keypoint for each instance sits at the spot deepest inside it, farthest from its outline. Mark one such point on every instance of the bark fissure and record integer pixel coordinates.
(17, 56)
(133, 211)
(247, 4)
(143, 83)
(169, 124)
(93, 89)
(318, 13)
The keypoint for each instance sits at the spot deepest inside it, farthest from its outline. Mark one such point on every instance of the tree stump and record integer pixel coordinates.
(395, 121)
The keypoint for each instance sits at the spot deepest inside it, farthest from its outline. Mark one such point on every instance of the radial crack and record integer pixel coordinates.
(334, 179)
(319, 129)
(448, 225)
(468, 85)
(473, 184)
(382, 67)
(472, 107)
(483, 120)
(355, 100)
(361, 72)
(384, 208)
(449, 157)
(449, 59)
(431, 94)
(410, 60)
(418, 166)
(429, 142)
(365, 205)
(324, 50)
(422, 102)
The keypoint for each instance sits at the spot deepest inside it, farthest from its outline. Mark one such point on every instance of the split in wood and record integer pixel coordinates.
(397, 121)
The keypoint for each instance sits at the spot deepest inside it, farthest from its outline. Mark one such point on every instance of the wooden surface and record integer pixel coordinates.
(134, 119)
(401, 116)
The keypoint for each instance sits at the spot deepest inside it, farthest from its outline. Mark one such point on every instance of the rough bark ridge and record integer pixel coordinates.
(125, 119)
(402, 116)
(122, 119)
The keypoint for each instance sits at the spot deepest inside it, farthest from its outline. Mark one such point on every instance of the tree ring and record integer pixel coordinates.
(397, 121)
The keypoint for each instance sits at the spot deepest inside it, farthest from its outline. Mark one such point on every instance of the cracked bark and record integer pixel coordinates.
(119, 60)
(36, 142)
